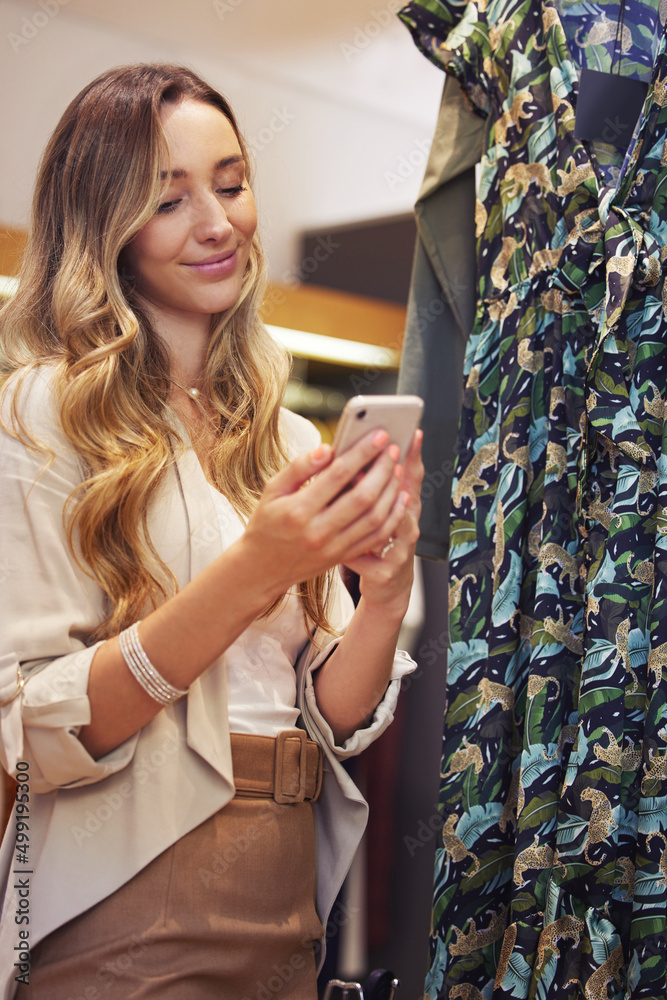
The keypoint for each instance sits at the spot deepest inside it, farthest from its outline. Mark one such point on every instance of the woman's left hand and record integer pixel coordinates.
(386, 573)
(353, 680)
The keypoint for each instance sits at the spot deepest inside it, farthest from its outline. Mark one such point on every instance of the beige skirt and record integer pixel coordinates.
(227, 913)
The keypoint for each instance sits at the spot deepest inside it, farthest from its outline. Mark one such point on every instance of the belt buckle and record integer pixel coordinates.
(280, 794)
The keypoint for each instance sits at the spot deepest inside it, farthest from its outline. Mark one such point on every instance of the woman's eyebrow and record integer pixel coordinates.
(178, 174)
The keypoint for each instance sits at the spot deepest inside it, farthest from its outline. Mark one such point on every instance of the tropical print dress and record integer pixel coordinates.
(551, 879)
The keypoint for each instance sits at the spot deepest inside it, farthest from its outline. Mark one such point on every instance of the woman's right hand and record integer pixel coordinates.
(316, 513)
(321, 511)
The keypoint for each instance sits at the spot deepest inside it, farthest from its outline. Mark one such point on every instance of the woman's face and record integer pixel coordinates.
(188, 261)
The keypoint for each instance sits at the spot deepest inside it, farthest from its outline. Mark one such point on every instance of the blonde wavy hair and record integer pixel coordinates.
(98, 184)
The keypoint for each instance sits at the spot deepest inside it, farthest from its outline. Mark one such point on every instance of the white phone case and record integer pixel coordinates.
(399, 416)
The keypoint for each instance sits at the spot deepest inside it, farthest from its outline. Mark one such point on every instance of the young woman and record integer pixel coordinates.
(181, 668)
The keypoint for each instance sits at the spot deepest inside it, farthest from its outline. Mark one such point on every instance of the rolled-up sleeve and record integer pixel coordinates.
(381, 718)
(341, 611)
(48, 607)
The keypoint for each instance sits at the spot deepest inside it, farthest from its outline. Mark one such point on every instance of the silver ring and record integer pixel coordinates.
(388, 547)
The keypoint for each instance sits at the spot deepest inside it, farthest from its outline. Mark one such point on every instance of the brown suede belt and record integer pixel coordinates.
(287, 767)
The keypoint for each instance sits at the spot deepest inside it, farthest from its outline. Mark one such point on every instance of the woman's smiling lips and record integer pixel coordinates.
(215, 267)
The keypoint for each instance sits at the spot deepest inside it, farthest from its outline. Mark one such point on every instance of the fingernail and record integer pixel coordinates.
(320, 454)
(398, 471)
(394, 452)
(404, 498)
(380, 438)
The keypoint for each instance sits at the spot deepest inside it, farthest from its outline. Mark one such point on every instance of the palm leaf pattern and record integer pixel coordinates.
(559, 520)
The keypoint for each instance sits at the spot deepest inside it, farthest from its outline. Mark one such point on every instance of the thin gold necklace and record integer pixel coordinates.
(192, 392)
(195, 395)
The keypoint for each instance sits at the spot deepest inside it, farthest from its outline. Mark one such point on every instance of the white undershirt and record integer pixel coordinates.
(261, 680)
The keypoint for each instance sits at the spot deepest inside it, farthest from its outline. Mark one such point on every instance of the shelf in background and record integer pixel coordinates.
(335, 314)
(12, 245)
(316, 347)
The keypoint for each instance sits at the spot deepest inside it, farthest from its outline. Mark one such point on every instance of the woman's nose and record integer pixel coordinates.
(212, 220)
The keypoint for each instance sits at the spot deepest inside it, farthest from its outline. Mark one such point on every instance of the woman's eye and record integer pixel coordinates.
(168, 206)
(232, 191)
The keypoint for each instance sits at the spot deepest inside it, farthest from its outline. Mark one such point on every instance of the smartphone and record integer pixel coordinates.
(399, 416)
